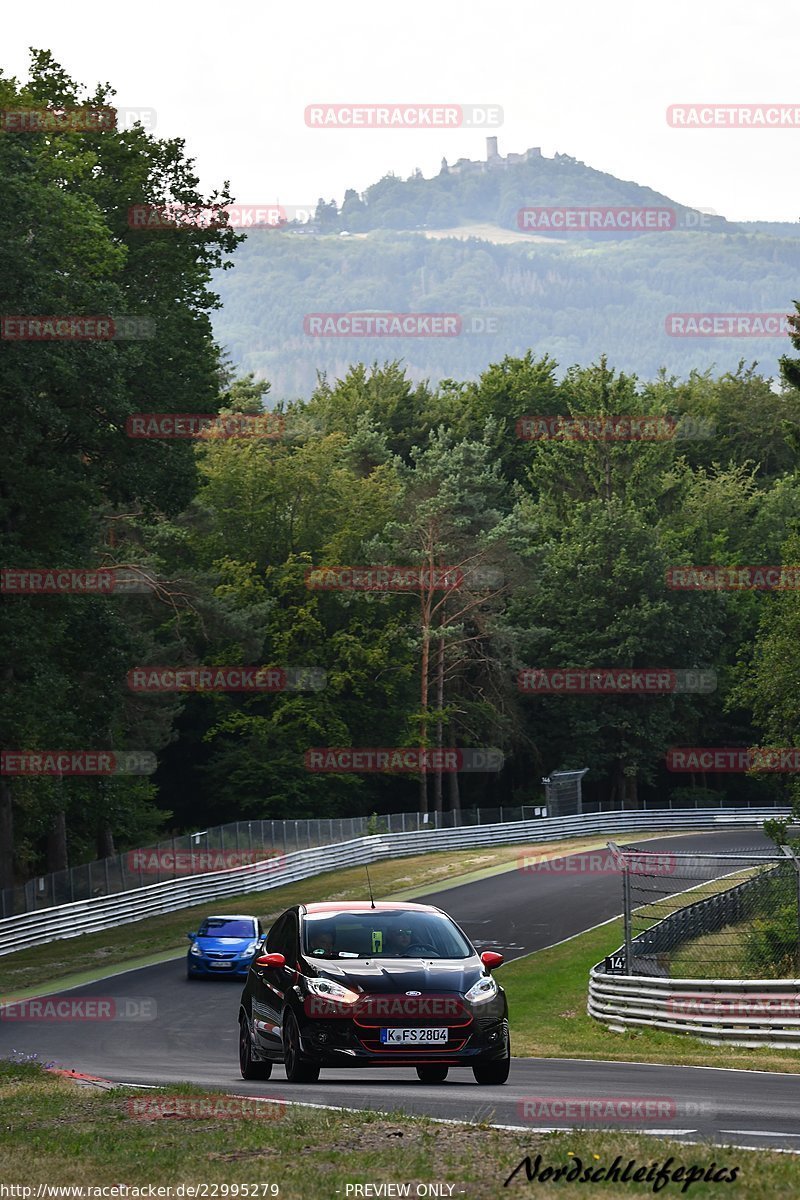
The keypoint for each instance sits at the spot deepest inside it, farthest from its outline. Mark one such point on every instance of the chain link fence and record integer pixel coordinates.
(710, 916)
(226, 846)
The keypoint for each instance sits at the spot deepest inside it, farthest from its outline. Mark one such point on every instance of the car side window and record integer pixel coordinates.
(275, 935)
(289, 937)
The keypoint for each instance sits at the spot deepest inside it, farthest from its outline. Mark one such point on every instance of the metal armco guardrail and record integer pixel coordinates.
(734, 1012)
(105, 912)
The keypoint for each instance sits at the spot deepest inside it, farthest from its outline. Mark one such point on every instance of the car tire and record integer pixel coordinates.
(296, 1070)
(249, 1068)
(494, 1072)
(432, 1073)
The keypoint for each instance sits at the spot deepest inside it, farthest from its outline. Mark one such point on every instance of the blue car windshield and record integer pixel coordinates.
(395, 934)
(221, 927)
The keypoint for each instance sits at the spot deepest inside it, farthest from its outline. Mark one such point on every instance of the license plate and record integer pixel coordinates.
(223, 966)
(414, 1037)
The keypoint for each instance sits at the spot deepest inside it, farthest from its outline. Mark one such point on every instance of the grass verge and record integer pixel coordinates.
(45, 965)
(547, 993)
(54, 1132)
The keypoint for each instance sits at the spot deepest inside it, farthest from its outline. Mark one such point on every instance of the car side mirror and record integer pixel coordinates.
(491, 959)
(191, 936)
(270, 960)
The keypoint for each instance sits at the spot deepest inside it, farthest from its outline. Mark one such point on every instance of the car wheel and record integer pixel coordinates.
(432, 1073)
(250, 1069)
(492, 1072)
(296, 1070)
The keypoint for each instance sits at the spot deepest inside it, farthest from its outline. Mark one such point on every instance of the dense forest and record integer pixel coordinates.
(572, 302)
(562, 546)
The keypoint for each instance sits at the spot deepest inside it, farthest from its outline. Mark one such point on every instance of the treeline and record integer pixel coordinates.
(563, 545)
(568, 300)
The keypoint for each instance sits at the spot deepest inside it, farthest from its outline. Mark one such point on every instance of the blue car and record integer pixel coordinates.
(223, 946)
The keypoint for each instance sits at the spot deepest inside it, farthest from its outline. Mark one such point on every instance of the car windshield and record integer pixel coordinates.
(227, 927)
(396, 934)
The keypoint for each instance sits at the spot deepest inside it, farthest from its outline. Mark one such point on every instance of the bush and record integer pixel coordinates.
(771, 944)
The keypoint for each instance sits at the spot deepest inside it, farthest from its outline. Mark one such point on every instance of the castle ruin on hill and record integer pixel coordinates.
(493, 161)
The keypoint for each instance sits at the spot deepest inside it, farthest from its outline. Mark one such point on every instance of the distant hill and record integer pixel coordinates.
(574, 295)
(494, 190)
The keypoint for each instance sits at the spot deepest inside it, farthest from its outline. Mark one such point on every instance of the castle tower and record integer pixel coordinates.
(491, 148)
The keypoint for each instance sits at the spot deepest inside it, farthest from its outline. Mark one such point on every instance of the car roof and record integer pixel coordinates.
(355, 906)
(230, 917)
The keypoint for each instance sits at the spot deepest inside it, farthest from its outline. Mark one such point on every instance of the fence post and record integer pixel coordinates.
(619, 857)
(790, 854)
(626, 901)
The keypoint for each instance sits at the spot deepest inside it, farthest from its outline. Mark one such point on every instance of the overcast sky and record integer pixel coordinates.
(584, 78)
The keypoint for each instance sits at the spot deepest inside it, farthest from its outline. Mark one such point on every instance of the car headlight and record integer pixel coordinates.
(485, 989)
(195, 949)
(248, 950)
(331, 991)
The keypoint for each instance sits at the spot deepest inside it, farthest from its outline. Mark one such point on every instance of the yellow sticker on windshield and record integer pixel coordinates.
(377, 941)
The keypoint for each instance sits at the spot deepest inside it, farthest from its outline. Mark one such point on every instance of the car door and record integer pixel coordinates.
(266, 994)
(283, 978)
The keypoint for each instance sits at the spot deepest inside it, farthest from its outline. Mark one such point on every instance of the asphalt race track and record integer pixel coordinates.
(193, 1037)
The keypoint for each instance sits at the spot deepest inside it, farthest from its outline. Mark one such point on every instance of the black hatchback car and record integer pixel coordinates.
(362, 985)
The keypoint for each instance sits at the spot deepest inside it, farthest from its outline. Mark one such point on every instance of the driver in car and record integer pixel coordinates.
(322, 943)
(398, 940)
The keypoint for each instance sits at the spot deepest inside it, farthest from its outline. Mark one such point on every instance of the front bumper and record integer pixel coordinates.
(235, 968)
(355, 1043)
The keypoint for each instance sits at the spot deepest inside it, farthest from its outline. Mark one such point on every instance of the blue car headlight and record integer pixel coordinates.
(248, 951)
(195, 949)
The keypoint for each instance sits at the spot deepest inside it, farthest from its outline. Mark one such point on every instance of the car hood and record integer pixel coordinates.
(401, 975)
(224, 943)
